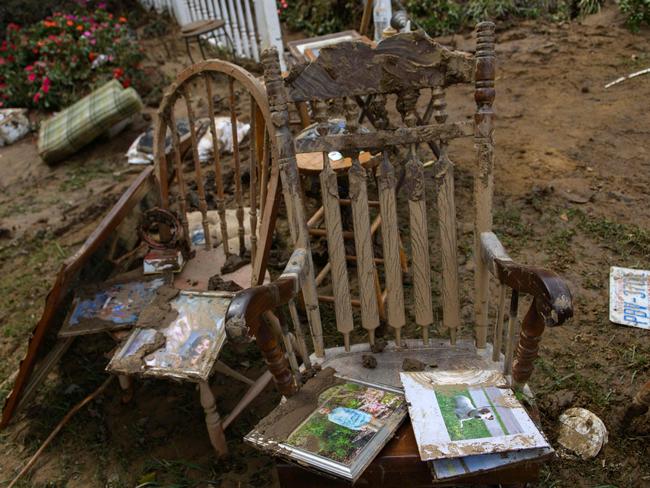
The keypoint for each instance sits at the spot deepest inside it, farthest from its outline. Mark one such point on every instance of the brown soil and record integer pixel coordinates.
(572, 176)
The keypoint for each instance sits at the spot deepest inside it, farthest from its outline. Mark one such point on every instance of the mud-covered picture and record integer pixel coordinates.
(347, 419)
(472, 414)
(197, 331)
(119, 303)
(191, 341)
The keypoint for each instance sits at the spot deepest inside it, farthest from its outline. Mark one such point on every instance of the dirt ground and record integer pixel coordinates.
(572, 178)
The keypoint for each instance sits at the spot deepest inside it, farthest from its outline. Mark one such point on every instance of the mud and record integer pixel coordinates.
(285, 418)
(159, 314)
(368, 361)
(413, 365)
(134, 363)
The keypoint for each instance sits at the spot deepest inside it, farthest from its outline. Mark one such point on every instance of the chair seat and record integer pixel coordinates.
(437, 355)
(201, 27)
(312, 163)
(398, 465)
(204, 265)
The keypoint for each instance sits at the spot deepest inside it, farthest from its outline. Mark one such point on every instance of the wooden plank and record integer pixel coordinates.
(218, 170)
(483, 179)
(498, 326)
(391, 246)
(336, 250)
(421, 267)
(363, 245)
(239, 196)
(198, 176)
(382, 138)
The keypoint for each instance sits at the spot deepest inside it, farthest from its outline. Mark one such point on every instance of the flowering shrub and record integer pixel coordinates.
(53, 63)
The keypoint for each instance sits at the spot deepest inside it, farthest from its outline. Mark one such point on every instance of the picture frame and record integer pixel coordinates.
(112, 305)
(185, 348)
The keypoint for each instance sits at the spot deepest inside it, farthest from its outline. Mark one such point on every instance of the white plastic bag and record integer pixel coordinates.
(224, 137)
(14, 125)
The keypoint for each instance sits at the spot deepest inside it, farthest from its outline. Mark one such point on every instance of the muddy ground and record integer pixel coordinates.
(572, 178)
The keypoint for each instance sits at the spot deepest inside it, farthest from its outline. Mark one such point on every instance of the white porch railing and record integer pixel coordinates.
(252, 25)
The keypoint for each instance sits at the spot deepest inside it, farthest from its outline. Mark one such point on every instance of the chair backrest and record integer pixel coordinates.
(200, 153)
(360, 81)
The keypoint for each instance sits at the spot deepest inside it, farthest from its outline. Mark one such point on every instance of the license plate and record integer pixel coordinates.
(629, 302)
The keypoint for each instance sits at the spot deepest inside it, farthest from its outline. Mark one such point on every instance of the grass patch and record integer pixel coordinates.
(511, 228)
(622, 238)
(79, 176)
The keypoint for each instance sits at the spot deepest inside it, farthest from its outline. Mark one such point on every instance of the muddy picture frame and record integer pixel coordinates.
(77, 323)
(145, 353)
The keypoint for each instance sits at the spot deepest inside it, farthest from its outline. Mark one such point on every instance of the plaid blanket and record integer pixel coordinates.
(71, 129)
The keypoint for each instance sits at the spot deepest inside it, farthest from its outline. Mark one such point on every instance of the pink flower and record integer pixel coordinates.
(31, 76)
(37, 97)
(46, 85)
(29, 68)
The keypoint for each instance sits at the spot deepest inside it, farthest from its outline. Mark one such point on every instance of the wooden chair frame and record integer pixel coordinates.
(402, 65)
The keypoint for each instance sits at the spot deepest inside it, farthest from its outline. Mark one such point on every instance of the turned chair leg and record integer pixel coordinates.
(126, 384)
(212, 419)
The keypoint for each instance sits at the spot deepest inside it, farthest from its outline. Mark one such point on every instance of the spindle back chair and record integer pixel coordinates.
(399, 68)
(199, 185)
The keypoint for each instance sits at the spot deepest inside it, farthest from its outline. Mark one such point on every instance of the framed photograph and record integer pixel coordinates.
(185, 348)
(339, 430)
(462, 419)
(113, 305)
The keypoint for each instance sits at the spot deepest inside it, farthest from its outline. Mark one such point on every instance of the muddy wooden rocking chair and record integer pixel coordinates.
(399, 67)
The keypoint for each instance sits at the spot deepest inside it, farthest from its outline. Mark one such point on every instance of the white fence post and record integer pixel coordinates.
(268, 26)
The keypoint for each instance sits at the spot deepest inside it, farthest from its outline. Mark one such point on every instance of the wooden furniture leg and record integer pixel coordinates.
(126, 384)
(212, 419)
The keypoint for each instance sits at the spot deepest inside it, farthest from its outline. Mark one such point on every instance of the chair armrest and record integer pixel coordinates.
(551, 293)
(248, 307)
(551, 306)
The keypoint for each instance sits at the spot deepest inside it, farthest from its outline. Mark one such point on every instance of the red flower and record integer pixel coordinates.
(122, 20)
(69, 23)
(13, 27)
(126, 82)
(31, 76)
(29, 68)
(92, 56)
(80, 27)
(118, 73)
(46, 85)
(11, 58)
(2, 61)
(37, 97)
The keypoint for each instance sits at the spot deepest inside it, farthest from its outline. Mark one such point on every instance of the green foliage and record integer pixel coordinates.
(319, 17)
(636, 11)
(52, 63)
